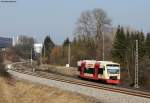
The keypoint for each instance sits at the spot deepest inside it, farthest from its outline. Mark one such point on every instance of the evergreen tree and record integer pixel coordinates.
(132, 49)
(47, 48)
(129, 56)
(119, 46)
(128, 47)
(147, 45)
(66, 42)
(141, 47)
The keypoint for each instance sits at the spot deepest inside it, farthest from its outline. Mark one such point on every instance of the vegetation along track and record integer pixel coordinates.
(83, 83)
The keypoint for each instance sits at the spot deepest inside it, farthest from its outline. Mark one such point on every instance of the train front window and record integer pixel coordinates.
(113, 69)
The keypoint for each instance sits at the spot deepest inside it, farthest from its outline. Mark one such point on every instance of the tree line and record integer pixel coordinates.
(93, 32)
(120, 49)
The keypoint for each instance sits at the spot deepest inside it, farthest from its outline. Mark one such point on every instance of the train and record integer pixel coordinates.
(106, 71)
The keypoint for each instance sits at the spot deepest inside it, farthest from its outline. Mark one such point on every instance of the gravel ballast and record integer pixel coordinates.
(103, 95)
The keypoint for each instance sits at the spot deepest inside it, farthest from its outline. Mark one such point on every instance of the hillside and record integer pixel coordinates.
(25, 92)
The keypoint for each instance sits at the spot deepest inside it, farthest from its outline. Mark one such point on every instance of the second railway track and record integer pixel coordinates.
(83, 83)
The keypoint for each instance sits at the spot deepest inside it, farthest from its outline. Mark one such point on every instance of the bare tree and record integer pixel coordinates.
(24, 40)
(24, 46)
(91, 26)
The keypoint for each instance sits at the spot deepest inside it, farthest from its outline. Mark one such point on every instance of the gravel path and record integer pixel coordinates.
(103, 95)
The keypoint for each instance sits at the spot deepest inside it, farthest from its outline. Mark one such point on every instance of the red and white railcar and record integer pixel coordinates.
(107, 71)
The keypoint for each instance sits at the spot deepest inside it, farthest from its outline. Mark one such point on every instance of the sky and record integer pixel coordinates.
(57, 18)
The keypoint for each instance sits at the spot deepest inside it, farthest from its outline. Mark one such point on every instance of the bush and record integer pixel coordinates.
(12, 55)
(3, 71)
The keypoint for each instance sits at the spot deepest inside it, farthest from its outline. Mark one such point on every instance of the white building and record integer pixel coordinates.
(38, 47)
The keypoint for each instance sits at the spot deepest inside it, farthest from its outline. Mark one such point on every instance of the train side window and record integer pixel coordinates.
(89, 71)
(101, 70)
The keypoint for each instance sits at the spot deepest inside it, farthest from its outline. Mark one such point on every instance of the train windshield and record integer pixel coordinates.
(113, 69)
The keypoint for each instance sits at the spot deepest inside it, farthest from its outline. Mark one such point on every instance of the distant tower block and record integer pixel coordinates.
(13, 41)
(17, 40)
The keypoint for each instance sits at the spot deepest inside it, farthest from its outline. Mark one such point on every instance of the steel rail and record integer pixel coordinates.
(91, 85)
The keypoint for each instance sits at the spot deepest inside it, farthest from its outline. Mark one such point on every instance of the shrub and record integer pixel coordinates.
(3, 71)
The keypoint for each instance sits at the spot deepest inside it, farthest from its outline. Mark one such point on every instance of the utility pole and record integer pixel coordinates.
(31, 57)
(44, 52)
(41, 57)
(103, 46)
(69, 54)
(136, 82)
(33, 69)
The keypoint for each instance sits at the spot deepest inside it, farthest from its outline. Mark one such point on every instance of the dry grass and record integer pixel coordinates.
(24, 92)
(70, 72)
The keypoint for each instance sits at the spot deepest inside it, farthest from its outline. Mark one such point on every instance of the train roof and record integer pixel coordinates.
(108, 62)
(101, 62)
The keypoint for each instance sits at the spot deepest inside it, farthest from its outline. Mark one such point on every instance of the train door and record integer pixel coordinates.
(101, 72)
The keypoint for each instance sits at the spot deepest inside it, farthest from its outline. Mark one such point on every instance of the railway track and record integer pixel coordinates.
(83, 83)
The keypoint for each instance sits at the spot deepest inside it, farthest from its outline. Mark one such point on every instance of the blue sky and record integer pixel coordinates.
(57, 18)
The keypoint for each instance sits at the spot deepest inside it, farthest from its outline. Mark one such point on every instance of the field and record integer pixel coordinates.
(61, 70)
(25, 92)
